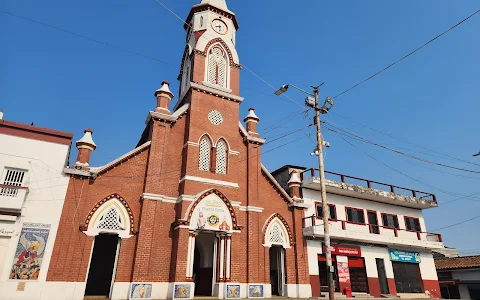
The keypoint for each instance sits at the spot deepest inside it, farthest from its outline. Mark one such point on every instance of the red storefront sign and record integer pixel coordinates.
(345, 250)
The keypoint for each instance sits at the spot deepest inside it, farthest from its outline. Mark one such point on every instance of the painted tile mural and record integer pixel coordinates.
(141, 291)
(255, 291)
(28, 258)
(182, 291)
(233, 291)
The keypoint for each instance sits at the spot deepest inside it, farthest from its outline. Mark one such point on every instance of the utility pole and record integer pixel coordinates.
(313, 102)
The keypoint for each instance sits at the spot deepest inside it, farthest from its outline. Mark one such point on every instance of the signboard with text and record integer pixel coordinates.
(345, 250)
(404, 256)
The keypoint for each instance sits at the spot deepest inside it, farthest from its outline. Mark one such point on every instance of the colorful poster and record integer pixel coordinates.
(30, 249)
(255, 291)
(343, 271)
(211, 214)
(233, 291)
(404, 256)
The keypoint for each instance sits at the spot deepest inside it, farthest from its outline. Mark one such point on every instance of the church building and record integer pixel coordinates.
(191, 211)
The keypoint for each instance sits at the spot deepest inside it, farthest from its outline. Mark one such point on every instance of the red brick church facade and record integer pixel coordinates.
(191, 210)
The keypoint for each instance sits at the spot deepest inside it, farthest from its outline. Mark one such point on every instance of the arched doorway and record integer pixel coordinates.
(211, 223)
(277, 238)
(109, 222)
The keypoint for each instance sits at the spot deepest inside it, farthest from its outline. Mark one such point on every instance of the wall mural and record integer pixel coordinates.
(211, 214)
(30, 249)
(255, 291)
(233, 291)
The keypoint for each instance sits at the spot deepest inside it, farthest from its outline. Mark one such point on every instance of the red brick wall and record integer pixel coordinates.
(71, 253)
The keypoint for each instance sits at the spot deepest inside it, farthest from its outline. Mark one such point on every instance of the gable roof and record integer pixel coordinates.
(462, 262)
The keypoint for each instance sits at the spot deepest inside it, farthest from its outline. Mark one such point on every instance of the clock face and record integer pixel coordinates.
(219, 26)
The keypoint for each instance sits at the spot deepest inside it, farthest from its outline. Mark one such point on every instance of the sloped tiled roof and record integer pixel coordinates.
(458, 262)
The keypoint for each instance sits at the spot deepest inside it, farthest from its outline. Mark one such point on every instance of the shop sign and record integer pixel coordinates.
(404, 256)
(345, 250)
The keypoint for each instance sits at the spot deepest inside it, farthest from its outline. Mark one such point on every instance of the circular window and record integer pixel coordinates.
(215, 117)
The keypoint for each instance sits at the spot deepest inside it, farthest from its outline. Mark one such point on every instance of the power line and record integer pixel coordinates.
(286, 98)
(404, 57)
(87, 38)
(456, 224)
(359, 138)
(405, 141)
(406, 175)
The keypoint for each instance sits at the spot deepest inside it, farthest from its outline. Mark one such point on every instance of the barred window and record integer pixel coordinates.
(217, 67)
(204, 157)
(221, 158)
(12, 177)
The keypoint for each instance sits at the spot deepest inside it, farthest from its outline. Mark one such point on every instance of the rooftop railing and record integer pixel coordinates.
(314, 173)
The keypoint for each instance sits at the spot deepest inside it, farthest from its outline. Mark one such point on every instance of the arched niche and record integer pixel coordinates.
(112, 215)
(277, 232)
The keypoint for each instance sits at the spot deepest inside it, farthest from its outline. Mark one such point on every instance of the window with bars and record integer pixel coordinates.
(217, 67)
(12, 177)
(221, 157)
(390, 221)
(412, 224)
(204, 157)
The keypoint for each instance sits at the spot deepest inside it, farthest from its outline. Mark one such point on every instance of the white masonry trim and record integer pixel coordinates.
(167, 199)
(251, 208)
(209, 181)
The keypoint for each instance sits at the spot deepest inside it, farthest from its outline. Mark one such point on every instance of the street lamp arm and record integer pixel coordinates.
(285, 87)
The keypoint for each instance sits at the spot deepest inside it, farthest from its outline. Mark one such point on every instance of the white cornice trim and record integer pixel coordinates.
(216, 87)
(188, 143)
(234, 152)
(172, 118)
(168, 199)
(235, 203)
(252, 208)
(157, 197)
(216, 92)
(210, 181)
(255, 139)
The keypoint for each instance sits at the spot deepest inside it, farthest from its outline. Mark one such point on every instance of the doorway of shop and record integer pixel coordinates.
(277, 270)
(203, 263)
(102, 265)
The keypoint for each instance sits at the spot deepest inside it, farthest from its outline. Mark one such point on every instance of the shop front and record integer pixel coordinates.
(406, 271)
(349, 266)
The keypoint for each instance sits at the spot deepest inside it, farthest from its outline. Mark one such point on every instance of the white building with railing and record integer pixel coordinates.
(380, 243)
(32, 192)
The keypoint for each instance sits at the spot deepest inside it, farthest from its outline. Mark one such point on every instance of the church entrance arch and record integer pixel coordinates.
(211, 223)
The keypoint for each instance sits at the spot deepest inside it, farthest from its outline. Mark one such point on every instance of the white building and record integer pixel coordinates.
(380, 243)
(32, 192)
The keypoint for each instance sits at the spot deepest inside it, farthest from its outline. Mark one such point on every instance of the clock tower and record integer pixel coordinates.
(210, 58)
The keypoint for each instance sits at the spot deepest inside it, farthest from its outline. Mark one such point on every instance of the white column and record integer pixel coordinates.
(229, 246)
(190, 254)
(221, 258)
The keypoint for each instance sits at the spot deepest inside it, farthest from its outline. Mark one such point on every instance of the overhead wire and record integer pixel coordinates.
(354, 136)
(406, 56)
(405, 141)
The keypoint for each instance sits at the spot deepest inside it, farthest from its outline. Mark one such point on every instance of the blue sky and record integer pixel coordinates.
(62, 81)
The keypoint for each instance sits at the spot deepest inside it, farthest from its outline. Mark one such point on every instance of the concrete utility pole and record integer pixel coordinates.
(313, 102)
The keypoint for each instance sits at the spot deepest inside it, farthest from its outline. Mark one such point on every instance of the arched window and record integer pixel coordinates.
(217, 67)
(111, 220)
(221, 157)
(204, 157)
